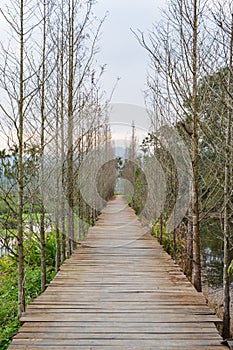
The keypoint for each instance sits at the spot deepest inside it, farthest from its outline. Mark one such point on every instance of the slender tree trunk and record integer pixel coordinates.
(161, 229)
(189, 248)
(63, 208)
(226, 277)
(79, 196)
(42, 142)
(195, 154)
(227, 191)
(21, 294)
(70, 153)
(57, 195)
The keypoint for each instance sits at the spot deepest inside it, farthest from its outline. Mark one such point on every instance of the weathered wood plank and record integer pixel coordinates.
(61, 336)
(118, 317)
(115, 347)
(112, 327)
(142, 343)
(119, 290)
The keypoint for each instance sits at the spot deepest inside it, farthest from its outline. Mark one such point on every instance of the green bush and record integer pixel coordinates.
(128, 199)
(169, 246)
(8, 296)
(32, 251)
(167, 240)
(3, 208)
(8, 222)
(8, 283)
(8, 300)
(50, 249)
(28, 209)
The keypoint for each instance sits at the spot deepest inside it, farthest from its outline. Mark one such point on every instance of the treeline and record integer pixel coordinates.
(190, 90)
(53, 113)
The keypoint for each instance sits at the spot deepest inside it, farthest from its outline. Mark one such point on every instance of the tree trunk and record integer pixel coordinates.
(195, 153)
(189, 248)
(57, 190)
(227, 192)
(63, 208)
(21, 294)
(70, 154)
(161, 229)
(42, 144)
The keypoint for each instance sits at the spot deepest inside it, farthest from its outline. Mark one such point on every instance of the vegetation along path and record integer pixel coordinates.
(119, 290)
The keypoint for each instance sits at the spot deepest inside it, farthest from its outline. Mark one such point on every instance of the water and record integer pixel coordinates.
(212, 252)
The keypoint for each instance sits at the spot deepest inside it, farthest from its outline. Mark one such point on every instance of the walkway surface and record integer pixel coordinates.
(119, 290)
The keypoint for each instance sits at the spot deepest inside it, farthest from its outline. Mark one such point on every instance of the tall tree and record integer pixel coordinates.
(42, 145)
(195, 151)
(218, 128)
(224, 20)
(18, 95)
(21, 295)
(227, 192)
(178, 49)
(70, 131)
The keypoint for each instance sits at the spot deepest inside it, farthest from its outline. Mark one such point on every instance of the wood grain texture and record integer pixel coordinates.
(119, 290)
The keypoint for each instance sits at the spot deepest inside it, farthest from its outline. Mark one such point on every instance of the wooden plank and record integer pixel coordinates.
(111, 327)
(118, 317)
(142, 343)
(119, 290)
(115, 347)
(61, 336)
(119, 308)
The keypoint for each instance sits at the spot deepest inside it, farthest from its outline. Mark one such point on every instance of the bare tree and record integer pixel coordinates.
(42, 145)
(178, 50)
(15, 83)
(223, 17)
(195, 152)
(228, 190)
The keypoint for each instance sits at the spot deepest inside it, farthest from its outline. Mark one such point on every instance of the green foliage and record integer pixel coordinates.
(230, 268)
(8, 222)
(8, 283)
(128, 199)
(8, 204)
(171, 247)
(50, 250)
(31, 209)
(140, 191)
(8, 296)
(32, 251)
(32, 282)
(8, 300)
(3, 207)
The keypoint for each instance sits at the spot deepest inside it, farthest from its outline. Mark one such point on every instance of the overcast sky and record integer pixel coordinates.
(119, 49)
(122, 54)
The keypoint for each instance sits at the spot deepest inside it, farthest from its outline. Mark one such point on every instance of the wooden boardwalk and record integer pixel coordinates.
(119, 290)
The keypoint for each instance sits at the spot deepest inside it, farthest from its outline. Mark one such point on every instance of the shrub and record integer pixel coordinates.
(8, 283)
